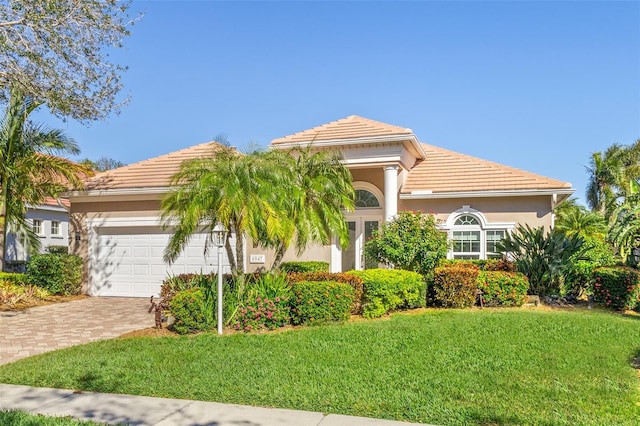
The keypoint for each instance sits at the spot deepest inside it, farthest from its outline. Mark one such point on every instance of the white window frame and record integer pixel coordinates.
(39, 229)
(483, 226)
(58, 231)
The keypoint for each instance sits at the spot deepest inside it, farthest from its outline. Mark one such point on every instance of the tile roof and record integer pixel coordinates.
(53, 202)
(153, 173)
(352, 127)
(446, 171)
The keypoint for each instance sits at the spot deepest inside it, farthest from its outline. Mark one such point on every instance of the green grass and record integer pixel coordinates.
(445, 367)
(20, 418)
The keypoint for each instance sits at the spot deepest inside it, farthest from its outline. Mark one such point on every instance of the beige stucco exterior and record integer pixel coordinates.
(385, 160)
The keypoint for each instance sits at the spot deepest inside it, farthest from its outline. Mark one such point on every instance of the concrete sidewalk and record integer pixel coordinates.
(143, 410)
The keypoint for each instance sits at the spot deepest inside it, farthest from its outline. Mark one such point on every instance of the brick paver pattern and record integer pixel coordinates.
(50, 327)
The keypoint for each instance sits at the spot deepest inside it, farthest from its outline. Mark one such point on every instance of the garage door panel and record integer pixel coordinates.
(127, 261)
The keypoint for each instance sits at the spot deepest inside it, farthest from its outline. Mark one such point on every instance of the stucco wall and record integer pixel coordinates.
(534, 211)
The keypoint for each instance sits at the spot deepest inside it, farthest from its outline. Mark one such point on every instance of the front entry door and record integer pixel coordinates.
(360, 230)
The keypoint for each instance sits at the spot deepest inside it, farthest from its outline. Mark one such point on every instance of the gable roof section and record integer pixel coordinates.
(446, 172)
(352, 127)
(153, 173)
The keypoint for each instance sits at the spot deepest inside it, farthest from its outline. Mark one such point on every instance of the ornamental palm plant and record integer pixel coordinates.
(316, 191)
(30, 167)
(226, 188)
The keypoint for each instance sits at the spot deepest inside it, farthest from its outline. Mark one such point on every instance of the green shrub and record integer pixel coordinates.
(263, 313)
(316, 302)
(14, 278)
(386, 290)
(544, 257)
(189, 309)
(353, 280)
(501, 288)
(410, 241)
(58, 249)
(455, 286)
(617, 287)
(306, 266)
(57, 273)
(265, 303)
(483, 264)
(579, 277)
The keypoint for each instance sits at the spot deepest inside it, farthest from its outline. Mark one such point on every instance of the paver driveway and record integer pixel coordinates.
(50, 327)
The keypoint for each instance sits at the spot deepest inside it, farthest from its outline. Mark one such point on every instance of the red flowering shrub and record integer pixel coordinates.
(617, 287)
(263, 313)
(503, 288)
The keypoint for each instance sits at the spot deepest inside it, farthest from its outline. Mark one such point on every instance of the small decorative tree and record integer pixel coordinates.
(411, 241)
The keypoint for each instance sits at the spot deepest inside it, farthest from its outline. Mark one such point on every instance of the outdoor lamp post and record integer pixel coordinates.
(219, 238)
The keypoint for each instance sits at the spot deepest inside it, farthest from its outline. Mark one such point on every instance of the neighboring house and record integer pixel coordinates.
(477, 202)
(50, 221)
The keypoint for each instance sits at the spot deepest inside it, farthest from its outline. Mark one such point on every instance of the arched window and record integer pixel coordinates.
(473, 237)
(366, 199)
(467, 219)
(466, 238)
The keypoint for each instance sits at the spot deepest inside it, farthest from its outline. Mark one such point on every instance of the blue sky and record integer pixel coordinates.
(534, 85)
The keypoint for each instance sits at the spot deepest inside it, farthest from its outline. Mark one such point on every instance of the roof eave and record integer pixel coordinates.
(140, 194)
(423, 195)
(331, 143)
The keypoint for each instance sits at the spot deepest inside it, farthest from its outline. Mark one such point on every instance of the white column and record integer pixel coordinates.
(335, 262)
(390, 192)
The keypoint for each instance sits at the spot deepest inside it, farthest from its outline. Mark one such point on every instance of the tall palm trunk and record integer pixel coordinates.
(277, 261)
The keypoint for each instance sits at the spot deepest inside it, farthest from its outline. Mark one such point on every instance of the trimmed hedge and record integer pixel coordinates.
(482, 264)
(340, 277)
(317, 302)
(304, 266)
(57, 273)
(455, 285)
(386, 290)
(501, 288)
(14, 278)
(190, 312)
(617, 287)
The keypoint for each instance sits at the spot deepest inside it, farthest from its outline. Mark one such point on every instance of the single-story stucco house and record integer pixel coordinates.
(115, 223)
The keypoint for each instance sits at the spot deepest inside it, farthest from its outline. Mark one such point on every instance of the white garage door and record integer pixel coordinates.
(127, 261)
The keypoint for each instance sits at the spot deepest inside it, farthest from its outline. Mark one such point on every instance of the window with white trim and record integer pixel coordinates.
(55, 228)
(36, 225)
(473, 238)
(493, 236)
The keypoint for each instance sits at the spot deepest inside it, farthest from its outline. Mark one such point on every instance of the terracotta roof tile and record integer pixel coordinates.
(53, 202)
(449, 171)
(352, 127)
(153, 173)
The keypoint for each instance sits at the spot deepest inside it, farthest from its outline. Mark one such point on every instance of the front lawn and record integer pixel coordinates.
(21, 418)
(447, 367)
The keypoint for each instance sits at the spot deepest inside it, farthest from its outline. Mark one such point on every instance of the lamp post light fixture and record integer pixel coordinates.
(219, 238)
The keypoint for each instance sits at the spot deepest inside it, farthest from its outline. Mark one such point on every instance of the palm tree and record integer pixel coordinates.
(574, 219)
(613, 175)
(317, 192)
(624, 230)
(225, 188)
(274, 197)
(30, 168)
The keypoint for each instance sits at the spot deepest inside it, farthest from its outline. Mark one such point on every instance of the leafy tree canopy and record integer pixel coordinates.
(410, 241)
(56, 52)
(102, 164)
